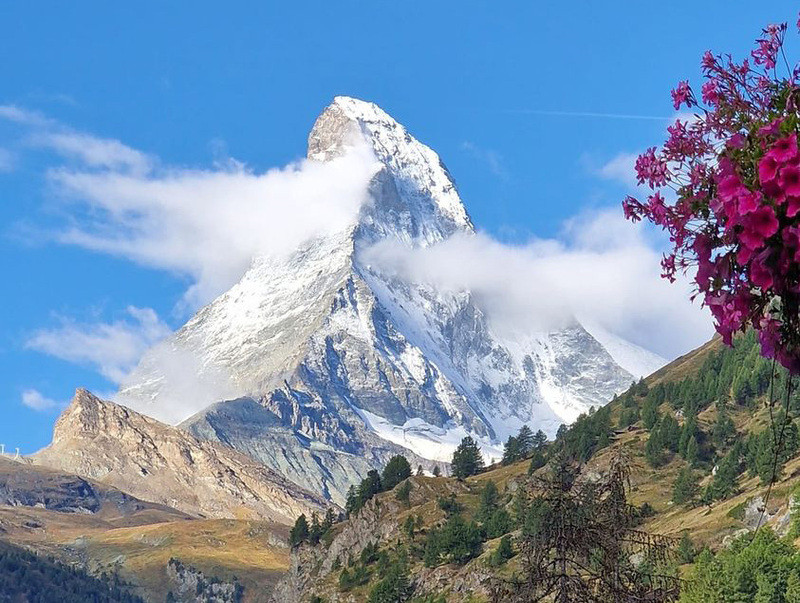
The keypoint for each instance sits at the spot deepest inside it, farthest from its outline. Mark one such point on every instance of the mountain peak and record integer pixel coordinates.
(414, 197)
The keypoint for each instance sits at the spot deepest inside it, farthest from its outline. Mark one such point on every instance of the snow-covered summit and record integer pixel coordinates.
(321, 366)
(415, 199)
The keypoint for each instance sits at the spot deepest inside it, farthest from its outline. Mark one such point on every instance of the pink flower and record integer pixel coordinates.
(773, 128)
(709, 62)
(736, 141)
(710, 92)
(767, 169)
(784, 149)
(757, 226)
(792, 206)
(632, 209)
(791, 237)
(682, 94)
(658, 211)
(749, 202)
(769, 336)
(790, 180)
(730, 187)
(760, 274)
(651, 169)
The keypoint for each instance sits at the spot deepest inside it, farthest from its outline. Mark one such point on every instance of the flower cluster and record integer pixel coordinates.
(732, 175)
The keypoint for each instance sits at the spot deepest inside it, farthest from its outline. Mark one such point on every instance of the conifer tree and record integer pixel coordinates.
(396, 470)
(692, 452)
(511, 451)
(299, 533)
(467, 459)
(686, 486)
(525, 441)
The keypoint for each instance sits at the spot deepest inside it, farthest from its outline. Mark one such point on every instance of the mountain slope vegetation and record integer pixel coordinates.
(700, 438)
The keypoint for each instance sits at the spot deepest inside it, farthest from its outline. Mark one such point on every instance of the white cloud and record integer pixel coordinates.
(24, 117)
(35, 400)
(492, 159)
(206, 224)
(113, 349)
(209, 224)
(93, 151)
(621, 169)
(601, 270)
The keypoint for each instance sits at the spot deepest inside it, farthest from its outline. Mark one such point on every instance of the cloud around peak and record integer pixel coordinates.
(600, 270)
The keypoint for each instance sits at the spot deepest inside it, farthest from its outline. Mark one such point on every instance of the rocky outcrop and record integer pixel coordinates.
(190, 585)
(113, 445)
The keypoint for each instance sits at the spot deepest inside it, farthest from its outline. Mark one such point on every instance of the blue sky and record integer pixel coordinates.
(524, 102)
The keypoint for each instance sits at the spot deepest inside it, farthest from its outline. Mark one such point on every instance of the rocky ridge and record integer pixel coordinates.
(117, 447)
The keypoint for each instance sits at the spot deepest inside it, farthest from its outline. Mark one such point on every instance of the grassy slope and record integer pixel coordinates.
(137, 539)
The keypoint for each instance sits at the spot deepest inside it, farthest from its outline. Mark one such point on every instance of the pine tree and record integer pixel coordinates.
(369, 487)
(539, 440)
(436, 471)
(489, 502)
(394, 588)
(315, 531)
(686, 550)
(649, 412)
(511, 451)
(654, 449)
(724, 483)
(685, 488)
(467, 459)
(537, 461)
(688, 431)
(670, 433)
(723, 429)
(692, 452)
(352, 504)
(504, 551)
(299, 533)
(396, 470)
(525, 441)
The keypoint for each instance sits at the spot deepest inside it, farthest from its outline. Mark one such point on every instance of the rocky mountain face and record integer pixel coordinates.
(26, 485)
(154, 462)
(321, 365)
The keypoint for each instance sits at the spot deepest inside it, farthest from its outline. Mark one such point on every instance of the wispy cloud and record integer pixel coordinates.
(113, 349)
(206, 224)
(35, 400)
(620, 169)
(94, 152)
(600, 270)
(491, 158)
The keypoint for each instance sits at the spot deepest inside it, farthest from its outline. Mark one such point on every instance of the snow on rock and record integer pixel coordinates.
(335, 356)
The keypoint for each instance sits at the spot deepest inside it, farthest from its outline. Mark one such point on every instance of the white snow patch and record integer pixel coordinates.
(426, 440)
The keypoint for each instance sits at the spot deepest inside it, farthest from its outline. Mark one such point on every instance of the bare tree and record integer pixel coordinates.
(580, 543)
